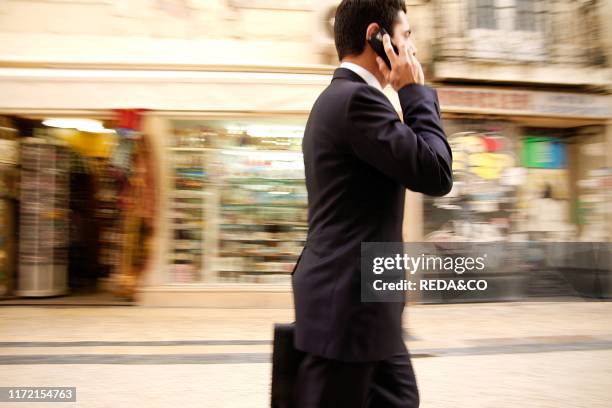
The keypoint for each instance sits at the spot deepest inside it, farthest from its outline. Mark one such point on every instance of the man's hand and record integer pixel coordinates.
(405, 68)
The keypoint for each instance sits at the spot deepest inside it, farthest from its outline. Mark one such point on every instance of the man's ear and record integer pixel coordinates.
(372, 28)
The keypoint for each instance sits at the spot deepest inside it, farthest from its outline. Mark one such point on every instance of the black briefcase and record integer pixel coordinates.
(286, 361)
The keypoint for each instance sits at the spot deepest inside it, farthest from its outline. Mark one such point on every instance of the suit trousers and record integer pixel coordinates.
(323, 383)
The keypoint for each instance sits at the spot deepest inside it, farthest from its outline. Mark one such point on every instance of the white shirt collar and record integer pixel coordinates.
(363, 73)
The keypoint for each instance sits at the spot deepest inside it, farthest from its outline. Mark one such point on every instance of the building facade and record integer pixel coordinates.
(227, 85)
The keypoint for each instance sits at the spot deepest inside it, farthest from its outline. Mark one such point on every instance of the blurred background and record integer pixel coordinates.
(151, 149)
(150, 155)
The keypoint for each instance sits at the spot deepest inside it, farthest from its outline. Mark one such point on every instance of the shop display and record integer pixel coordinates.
(133, 170)
(107, 213)
(188, 213)
(95, 215)
(44, 220)
(544, 206)
(506, 188)
(544, 200)
(111, 212)
(238, 202)
(263, 216)
(530, 185)
(487, 173)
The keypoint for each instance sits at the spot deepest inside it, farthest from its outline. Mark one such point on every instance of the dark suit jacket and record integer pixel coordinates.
(359, 160)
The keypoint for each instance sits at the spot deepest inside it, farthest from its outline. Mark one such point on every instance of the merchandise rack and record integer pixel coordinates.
(240, 208)
(43, 243)
(188, 224)
(263, 216)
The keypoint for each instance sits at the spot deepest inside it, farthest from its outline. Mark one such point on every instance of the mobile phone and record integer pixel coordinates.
(376, 41)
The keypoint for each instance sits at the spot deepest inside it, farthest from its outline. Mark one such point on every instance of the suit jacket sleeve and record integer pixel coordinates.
(414, 153)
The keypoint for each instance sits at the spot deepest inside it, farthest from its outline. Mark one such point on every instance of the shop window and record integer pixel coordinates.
(487, 174)
(239, 202)
(510, 185)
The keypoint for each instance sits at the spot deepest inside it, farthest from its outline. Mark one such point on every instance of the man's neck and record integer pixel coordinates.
(365, 63)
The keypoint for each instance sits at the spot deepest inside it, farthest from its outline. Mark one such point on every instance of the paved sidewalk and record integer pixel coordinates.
(428, 325)
(475, 355)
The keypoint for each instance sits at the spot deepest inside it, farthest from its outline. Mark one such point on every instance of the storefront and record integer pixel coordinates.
(528, 166)
(236, 197)
(231, 213)
(83, 205)
(237, 202)
(230, 193)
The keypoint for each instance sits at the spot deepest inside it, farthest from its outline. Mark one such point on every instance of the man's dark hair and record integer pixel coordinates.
(353, 18)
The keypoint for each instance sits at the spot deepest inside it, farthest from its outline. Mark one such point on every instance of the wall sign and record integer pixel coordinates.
(525, 102)
(543, 153)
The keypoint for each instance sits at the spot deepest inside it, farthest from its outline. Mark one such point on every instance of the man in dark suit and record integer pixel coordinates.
(359, 160)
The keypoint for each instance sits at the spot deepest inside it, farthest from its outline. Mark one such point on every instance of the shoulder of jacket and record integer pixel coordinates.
(368, 95)
(343, 92)
(350, 87)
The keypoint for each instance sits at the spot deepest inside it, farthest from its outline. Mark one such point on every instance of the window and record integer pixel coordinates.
(507, 15)
(525, 18)
(506, 30)
(237, 200)
(484, 14)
